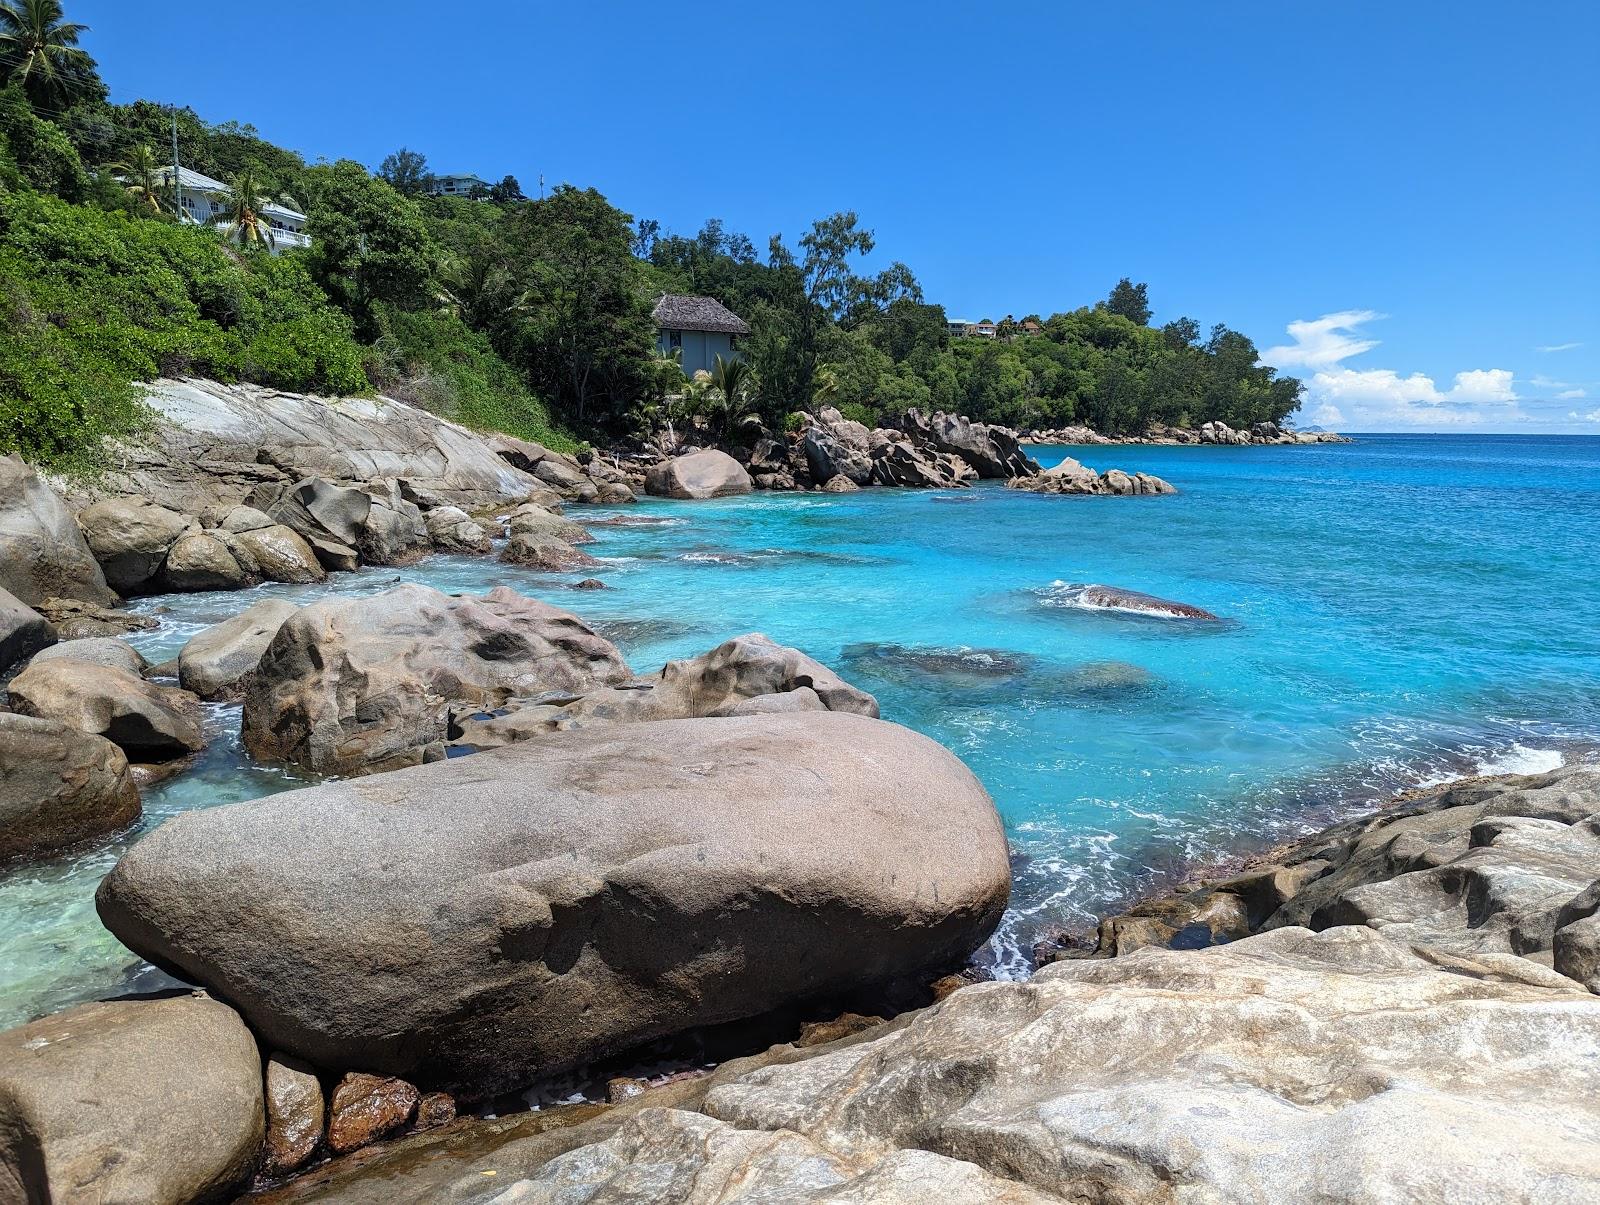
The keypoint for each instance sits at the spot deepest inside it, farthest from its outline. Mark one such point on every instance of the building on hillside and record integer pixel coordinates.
(205, 202)
(455, 186)
(702, 327)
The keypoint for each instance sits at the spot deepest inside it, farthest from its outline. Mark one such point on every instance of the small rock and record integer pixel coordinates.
(621, 1087)
(294, 1114)
(453, 530)
(545, 553)
(590, 583)
(434, 1110)
(839, 484)
(366, 1107)
(815, 1033)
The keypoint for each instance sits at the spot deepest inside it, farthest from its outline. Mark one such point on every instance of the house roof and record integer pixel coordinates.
(194, 181)
(675, 311)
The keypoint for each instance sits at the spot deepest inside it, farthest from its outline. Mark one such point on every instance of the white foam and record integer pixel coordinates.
(1520, 759)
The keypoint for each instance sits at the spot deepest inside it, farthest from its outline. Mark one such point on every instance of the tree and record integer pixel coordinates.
(140, 174)
(369, 243)
(44, 157)
(405, 171)
(732, 379)
(644, 238)
(585, 339)
(507, 192)
(1130, 300)
(39, 53)
(242, 214)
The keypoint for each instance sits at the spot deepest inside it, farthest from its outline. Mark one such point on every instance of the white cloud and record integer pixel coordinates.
(1323, 342)
(1550, 347)
(1592, 417)
(1540, 381)
(1365, 399)
(1572, 395)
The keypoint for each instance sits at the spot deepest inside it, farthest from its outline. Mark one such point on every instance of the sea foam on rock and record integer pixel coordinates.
(488, 919)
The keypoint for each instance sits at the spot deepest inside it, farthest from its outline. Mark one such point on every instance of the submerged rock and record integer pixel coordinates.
(353, 686)
(953, 667)
(148, 722)
(493, 918)
(1129, 602)
(43, 553)
(699, 475)
(59, 786)
(135, 1100)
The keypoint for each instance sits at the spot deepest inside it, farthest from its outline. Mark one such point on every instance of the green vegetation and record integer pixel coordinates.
(525, 316)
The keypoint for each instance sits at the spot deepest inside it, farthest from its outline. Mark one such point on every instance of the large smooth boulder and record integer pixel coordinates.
(150, 1101)
(278, 554)
(23, 631)
(59, 786)
(477, 922)
(202, 561)
(215, 662)
(130, 538)
(1290, 1066)
(146, 721)
(42, 550)
(352, 686)
(699, 475)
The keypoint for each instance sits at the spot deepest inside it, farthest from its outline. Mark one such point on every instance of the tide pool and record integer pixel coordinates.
(1395, 611)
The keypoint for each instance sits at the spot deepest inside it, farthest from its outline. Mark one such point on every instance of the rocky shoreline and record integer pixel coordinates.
(508, 881)
(1213, 433)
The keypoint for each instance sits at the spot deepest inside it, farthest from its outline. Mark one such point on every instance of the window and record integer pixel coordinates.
(674, 339)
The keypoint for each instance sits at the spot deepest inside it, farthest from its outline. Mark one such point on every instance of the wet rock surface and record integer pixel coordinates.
(367, 1107)
(295, 1111)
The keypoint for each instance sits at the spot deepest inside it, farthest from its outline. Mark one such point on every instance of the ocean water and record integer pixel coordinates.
(1396, 611)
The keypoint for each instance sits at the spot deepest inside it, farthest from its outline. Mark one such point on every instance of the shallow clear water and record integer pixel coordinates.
(1399, 610)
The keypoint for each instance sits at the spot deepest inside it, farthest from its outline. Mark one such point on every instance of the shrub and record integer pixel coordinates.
(856, 412)
(436, 361)
(95, 301)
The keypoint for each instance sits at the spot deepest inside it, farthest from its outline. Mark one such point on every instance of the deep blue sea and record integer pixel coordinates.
(1396, 611)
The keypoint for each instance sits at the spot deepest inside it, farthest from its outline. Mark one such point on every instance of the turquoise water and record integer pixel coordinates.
(1396, 611)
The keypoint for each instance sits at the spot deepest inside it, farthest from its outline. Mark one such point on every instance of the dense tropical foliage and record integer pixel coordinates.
(528, 316)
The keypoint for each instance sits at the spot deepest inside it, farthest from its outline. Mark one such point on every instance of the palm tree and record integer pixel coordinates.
(242, 215)
(140, 174)
(825, 385)
(732, 379)
(39, 53)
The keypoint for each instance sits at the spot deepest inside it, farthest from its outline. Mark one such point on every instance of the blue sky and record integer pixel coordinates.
(1400, 202)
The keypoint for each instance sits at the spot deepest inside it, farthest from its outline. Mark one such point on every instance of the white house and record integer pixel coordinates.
(702, 327)
(205, 199)
(454, 186)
